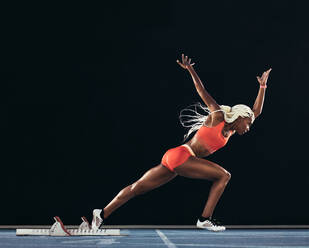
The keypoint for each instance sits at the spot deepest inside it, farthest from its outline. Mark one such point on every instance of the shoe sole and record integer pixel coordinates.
(210, 229)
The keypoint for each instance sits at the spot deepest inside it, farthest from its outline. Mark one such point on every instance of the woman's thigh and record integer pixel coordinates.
(154, 178)
(202, 169)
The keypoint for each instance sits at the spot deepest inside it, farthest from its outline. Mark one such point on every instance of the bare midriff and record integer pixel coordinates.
(198, 149)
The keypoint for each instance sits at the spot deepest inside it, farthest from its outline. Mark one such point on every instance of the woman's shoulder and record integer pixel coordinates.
(214, 119)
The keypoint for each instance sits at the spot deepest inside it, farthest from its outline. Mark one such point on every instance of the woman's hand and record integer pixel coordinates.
(207, 99)
(263, 79)
(186, 63)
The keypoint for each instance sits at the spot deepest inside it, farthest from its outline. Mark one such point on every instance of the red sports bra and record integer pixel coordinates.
(212, 138)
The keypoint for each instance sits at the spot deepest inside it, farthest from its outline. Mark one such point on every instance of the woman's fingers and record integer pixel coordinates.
(263, 79)
(179, 63)
(268, 71)
(185, 61)
(258, 78)
(267, 74)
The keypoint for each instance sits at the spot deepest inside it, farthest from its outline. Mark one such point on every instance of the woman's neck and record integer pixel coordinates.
(230, 126)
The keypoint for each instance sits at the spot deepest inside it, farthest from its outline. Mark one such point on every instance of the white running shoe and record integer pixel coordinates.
(97, 221)
(210, 225)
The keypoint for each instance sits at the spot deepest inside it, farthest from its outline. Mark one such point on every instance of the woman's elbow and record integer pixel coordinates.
(256, 114)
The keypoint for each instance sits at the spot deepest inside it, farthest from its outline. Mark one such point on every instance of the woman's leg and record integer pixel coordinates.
(205, 169)
(152, 179)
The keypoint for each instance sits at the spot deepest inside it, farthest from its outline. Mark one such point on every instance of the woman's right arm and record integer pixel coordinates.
(207, 99)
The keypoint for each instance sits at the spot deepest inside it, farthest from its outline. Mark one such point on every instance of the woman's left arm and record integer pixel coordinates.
(258, 105)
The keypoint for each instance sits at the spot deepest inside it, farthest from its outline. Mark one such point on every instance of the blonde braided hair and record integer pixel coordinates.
(192, 119)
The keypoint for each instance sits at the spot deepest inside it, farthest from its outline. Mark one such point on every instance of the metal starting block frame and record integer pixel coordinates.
(58, 229)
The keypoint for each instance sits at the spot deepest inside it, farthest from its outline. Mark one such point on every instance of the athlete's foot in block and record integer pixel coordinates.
(97, 220)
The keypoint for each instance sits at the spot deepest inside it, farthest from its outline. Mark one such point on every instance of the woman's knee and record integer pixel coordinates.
(226, 177)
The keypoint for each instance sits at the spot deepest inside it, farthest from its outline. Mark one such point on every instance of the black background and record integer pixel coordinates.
(90, 97)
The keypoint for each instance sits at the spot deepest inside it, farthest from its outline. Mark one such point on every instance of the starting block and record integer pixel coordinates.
(58, 229)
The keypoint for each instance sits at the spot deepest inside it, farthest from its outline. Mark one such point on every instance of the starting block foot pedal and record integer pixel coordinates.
(58, 229)
(85, 224)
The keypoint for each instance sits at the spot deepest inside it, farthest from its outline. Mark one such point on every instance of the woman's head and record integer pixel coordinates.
(242, 125)
(240, 116)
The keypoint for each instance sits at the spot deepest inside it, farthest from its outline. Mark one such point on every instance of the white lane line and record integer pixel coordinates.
(166, 240)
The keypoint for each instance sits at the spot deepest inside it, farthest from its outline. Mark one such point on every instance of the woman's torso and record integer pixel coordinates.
(198, 146)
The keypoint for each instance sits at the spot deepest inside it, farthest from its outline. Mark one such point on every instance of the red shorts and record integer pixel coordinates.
(176, 156)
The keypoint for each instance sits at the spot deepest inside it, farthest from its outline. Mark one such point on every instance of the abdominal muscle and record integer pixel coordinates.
(198, 149)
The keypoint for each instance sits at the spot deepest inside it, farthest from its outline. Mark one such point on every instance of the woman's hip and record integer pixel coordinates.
(176, 156)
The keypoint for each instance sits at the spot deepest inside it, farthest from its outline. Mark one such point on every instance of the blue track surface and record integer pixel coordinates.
(166, 238)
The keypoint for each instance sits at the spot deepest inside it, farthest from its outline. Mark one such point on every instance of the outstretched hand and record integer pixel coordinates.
(263, 79)
(186, 62)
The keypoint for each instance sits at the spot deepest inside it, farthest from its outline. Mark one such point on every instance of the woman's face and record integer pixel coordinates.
(243, 125)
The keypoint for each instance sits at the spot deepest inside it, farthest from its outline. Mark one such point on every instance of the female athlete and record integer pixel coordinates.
(213, 132)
